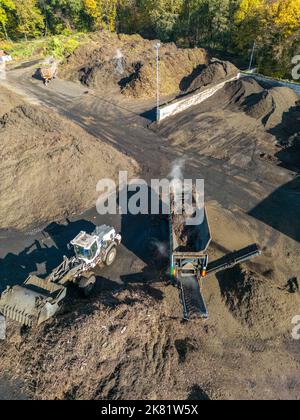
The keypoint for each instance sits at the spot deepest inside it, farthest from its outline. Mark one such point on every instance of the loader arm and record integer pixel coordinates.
(67, 270)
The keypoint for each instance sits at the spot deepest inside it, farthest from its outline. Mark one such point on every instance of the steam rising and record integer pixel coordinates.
(160, 247)
(119, 62)
(177, 169)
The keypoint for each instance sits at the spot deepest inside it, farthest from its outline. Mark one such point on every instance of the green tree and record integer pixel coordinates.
(206, 22)
(63, 14)
(6, 6)
(163, 17)
(30, 19)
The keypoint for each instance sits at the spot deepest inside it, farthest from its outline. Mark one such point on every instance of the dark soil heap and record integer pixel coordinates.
(117, 350)
(8, 100)
(257, 301)
(216, 71)
(266, 105)
(50, 167)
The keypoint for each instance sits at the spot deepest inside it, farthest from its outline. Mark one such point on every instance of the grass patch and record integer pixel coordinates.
(59, 47)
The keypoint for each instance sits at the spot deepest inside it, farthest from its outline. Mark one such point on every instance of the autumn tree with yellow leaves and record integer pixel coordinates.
(103, 13)
(274, 26)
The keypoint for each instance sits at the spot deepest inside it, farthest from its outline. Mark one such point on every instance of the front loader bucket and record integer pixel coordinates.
(33, 303)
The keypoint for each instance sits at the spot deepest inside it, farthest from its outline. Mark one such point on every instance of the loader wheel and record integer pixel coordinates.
(111, 256)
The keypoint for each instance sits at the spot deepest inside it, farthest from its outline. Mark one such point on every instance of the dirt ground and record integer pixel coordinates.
(129, 339)
(51, 166)
(8, 100)
(126, 64)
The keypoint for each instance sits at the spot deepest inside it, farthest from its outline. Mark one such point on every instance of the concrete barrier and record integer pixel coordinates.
(182, 104)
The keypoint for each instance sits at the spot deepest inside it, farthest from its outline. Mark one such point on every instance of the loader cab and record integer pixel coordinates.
(85, 253)
(86, 247)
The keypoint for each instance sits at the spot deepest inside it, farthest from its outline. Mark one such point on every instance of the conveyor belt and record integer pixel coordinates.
(233, 259)
(191, 298)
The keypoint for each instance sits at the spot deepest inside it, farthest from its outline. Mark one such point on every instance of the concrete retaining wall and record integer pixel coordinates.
(181, 105)
(187, 102)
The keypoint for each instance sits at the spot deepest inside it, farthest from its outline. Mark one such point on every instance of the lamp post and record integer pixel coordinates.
(157, 47)
(252, 56)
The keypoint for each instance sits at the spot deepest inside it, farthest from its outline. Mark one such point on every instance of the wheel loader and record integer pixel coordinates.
(38, 300)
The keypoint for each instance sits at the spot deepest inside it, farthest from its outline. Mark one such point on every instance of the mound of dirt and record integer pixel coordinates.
(131, 344)
(258, 301)
(236, 92)
(270, 105)
(243, 124)
(215, 72)
(8, 100)
(290, 137)
(122, 347)
(291, 121)
(50, 167)
(126, 64)
(266, 105)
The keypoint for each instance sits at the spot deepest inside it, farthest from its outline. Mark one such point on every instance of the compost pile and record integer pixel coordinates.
(216, 71)
(257, 301)
(50, 167)
(113, 347)
(268, 106)
(243, 124)
(126, 64)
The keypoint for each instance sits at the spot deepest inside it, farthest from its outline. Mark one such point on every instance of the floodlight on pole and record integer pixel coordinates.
(157, 47)
(252, 56)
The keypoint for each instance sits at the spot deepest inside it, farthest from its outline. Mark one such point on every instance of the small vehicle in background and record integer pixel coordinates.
(48, 70)
(4, 57)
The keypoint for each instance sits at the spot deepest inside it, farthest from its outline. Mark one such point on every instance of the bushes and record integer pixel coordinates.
(58, 46)
(6, 45)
